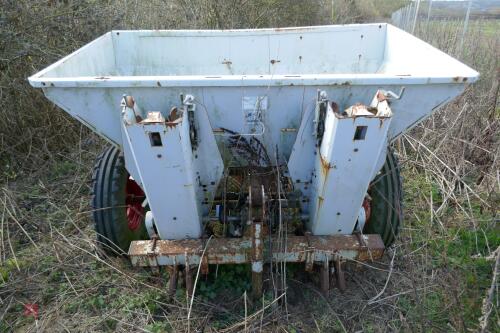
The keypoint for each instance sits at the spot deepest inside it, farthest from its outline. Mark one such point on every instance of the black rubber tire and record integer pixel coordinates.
(386, 193)
(109, 180)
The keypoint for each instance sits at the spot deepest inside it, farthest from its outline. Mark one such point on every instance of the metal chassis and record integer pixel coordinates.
(330, 239)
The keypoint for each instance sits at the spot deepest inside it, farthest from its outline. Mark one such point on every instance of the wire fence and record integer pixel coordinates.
(417, 14)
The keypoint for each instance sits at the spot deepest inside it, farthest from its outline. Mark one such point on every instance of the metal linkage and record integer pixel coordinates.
(256, 202)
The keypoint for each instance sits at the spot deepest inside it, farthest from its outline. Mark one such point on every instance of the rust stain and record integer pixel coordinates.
(320, 201)
(325, 167)
(294, 29)
(381, 122)
(239, 250)
(325, 170)
(129, 101)
(358, 107)
(172, 124)
(380, 96)
(174, 114)
(460, 79)
(335, 107)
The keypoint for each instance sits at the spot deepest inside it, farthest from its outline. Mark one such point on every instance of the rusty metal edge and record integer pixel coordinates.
(239, 250)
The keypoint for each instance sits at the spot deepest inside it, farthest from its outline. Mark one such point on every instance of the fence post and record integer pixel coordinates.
(415, 18)
(464, 31)
(429, 11)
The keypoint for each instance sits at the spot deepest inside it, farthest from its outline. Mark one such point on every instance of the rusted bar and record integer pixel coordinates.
(204, 265)
(324, 276)
(339, 274)
(239, 250)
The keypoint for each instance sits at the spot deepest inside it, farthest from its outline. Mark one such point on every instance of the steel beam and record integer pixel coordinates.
(239, 250)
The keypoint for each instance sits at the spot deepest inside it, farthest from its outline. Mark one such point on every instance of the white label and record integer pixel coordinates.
(253, 106)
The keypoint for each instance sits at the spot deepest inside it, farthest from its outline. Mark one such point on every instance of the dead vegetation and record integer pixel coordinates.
(437, 277)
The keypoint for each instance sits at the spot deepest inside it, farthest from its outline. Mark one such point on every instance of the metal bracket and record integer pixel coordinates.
(351, 145)
(190, 107)
(320, 114)
(178, 181)
(390, 95)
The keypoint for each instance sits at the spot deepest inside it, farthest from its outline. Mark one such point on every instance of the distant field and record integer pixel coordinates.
(480, 9)
(490, 28)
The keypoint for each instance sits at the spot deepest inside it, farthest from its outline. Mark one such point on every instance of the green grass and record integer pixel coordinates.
(490, 28)
(457, 254)
(446, 267)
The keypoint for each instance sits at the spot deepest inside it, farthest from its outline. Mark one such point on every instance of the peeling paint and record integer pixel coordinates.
(237, 250)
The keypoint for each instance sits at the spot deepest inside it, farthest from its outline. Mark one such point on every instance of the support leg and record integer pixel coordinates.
(339, 273)
(324, 277)
(172, 283)
(189, 280)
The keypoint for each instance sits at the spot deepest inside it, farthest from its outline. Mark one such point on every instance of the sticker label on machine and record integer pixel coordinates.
(253, 107)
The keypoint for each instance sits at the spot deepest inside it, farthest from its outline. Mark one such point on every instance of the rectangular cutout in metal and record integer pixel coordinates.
(155, 139)
(360, 132)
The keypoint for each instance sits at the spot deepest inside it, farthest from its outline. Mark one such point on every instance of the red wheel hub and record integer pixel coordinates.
(134, 197)
(367, 206)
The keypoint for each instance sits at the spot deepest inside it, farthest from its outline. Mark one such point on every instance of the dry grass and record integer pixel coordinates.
(435, 278)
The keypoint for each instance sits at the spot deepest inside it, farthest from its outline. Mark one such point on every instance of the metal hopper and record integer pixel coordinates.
(224, 141)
